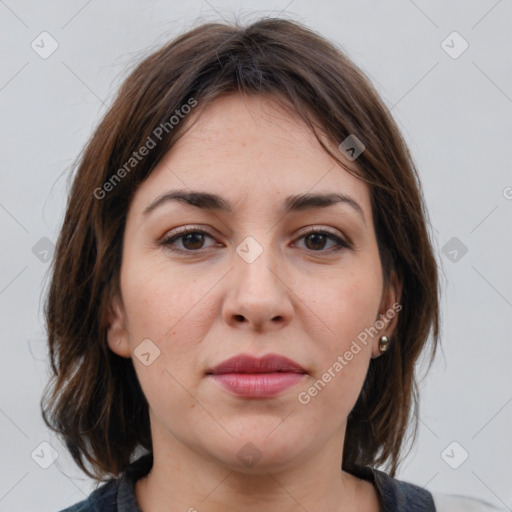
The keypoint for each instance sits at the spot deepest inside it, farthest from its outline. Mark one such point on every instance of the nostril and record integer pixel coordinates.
(239, 318)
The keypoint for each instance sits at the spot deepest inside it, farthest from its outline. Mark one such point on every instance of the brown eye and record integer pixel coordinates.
(317, 240)
(192, 240)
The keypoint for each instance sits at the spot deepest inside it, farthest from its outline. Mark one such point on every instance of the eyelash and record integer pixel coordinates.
(169, 240)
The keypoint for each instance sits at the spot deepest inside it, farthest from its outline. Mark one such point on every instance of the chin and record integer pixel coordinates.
(262, 451)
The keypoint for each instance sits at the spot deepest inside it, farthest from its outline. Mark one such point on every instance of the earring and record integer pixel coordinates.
(383, 343)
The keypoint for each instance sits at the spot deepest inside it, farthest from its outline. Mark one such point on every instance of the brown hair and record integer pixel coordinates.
(93, 398)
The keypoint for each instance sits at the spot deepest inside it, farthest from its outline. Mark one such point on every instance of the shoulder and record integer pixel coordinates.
(102, 499)
(396, 495)
(454, 503)
(399, 496)
(116, 492)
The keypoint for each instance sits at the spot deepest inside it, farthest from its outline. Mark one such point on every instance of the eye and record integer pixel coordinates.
(316, 240)
(191, 239)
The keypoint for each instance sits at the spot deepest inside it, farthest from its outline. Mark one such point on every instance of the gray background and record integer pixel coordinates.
(456, 114)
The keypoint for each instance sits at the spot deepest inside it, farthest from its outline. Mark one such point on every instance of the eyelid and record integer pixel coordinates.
(189, 228)
(177, 233)
(315, 228)
(341, 242)
(303, 231)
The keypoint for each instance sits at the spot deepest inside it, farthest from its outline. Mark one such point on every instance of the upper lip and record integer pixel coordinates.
(246, 363)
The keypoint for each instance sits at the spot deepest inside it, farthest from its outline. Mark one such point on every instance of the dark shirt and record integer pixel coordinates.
(118, 495)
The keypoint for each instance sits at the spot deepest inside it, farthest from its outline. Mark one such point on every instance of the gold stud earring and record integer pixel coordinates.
(383, 343)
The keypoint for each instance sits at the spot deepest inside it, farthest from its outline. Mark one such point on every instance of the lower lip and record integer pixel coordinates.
(258, 385)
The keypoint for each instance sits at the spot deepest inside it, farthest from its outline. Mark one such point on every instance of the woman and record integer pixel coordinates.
(242, 285)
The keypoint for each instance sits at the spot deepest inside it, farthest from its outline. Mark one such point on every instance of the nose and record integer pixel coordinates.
(258, 296)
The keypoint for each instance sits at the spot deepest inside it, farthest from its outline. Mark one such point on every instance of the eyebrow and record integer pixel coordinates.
(214, 202)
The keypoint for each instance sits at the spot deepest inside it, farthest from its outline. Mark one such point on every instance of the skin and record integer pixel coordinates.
(299, 298)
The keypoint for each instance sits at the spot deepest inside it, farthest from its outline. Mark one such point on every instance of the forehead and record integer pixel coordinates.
(243, 147)
(243, 126)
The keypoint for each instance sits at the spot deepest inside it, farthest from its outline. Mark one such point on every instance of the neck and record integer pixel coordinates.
(182, 479)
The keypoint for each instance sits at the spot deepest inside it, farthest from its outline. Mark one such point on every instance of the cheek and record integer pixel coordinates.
(347, 305)
(166, 309)
(159, 300)
(347, 308)
(358, 306)
(173, 310)
(343, 359)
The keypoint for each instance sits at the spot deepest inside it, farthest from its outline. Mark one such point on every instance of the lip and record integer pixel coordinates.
(247, 363)
(257, 377)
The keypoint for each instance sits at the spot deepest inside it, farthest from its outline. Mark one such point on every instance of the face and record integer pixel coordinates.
(257, 273)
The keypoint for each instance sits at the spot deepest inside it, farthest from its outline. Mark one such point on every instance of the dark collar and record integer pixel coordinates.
(394, 495)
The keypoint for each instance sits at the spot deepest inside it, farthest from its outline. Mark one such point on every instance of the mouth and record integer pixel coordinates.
(257, 377)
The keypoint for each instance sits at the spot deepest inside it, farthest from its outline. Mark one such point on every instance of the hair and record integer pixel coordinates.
(93, 399)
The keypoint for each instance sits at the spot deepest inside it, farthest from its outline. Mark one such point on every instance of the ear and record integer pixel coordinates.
(117, 335)
(389, 309)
